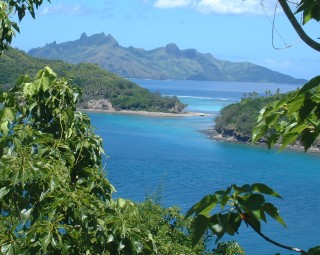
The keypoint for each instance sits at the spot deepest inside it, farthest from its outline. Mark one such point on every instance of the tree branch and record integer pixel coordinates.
(246, 220)
(304, 37)
(274, 242)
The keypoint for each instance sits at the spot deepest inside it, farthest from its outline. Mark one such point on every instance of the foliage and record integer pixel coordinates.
(95, 82)
(169, 228)
(246, 203)
(240, 118)
(8, 28)
(310, 10)
(294, 117)
(228, 248)
(54, 197)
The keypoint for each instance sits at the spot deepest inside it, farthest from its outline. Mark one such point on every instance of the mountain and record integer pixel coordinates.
(101, 89)
(167, 62)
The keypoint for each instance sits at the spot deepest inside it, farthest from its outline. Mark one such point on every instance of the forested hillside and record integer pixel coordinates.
(238, 120)
(95, 82)
(167, 62)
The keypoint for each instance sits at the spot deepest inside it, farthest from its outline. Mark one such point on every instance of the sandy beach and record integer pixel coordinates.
(146, 113)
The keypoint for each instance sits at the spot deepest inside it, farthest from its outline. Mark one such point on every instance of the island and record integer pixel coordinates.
(236, 122)
(101, 90)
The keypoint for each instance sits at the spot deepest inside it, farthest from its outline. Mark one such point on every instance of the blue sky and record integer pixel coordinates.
(233, 30)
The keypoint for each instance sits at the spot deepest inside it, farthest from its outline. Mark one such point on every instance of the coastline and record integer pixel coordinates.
(146, 113)
(213, 134)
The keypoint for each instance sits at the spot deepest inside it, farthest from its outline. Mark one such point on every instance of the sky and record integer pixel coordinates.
(235, 30)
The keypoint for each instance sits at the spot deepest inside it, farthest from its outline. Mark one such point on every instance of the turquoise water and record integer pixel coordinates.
(146, 153)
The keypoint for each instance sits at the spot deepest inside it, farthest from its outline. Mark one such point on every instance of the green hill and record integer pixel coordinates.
(97, 83)
(238, 120)
(167, 62)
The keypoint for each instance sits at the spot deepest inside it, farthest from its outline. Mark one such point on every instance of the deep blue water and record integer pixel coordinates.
(170, 154)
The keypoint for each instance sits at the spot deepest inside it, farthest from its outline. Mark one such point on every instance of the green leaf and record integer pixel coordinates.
(25, 215)
(3, 191)
(53, 185)
(121, 202)
(255, 223)
(314, 251)
(262, 188)
(273, 212)
(45, 241)
(7, 249)
(314, 82)
(204, 207)
(199, 226)
(8, 113)
(4, 127)
(289, 139)
(252, 205)
(246, 188)
(296, 104)
(233, 223)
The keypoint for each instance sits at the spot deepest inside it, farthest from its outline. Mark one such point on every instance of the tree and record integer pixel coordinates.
(8, 27)
(54, 197)
(296, 116)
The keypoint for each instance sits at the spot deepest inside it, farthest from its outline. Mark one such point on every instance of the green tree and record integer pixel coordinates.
(54, 197)
(8, 27)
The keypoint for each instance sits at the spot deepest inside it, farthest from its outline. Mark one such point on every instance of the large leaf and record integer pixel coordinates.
(273, 212)
(263, 188)
(199, 226)
(203, 207)
(314, 251)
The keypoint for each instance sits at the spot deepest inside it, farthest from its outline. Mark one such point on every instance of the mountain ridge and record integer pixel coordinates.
(168, 62)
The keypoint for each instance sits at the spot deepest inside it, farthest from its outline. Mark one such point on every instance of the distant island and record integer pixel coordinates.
(162, 63)
(102, 90)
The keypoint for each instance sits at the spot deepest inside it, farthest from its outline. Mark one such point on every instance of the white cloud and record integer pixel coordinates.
(67, 9)
(256, 7)
(236, 6)
(172, 3)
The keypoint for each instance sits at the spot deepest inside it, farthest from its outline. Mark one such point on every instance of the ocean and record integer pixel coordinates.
(171, 156)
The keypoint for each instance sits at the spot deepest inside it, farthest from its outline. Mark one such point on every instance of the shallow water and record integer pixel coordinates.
(172, 156)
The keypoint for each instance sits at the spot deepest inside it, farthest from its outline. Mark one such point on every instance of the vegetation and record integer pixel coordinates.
(294, 117)
(95, 82)
(54, 197)
(8, 27)
(239, 119)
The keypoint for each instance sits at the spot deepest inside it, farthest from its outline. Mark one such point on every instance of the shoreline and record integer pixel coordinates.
(213, 134)
(146, 113)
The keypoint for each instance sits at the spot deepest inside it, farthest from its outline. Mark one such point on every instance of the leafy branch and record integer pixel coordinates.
(246, 203)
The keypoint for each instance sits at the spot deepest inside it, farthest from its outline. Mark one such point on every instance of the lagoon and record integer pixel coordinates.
(171, 156)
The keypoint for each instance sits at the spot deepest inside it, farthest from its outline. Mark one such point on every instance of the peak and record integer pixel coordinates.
(111, 41)
(101, 35)
(173, 49)
(98, 39)
(83, 36)
(110, 37)
(172, 46)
